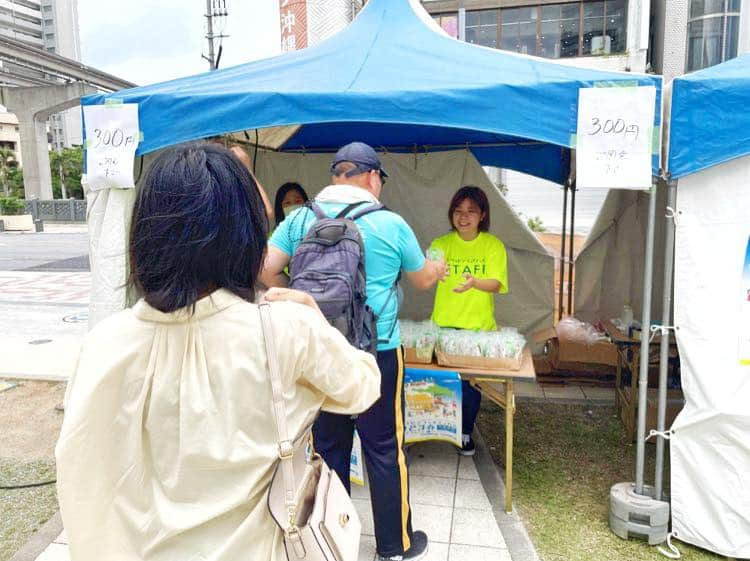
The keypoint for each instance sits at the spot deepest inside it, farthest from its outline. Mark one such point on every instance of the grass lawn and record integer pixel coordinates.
(24, 510)
(566, 458)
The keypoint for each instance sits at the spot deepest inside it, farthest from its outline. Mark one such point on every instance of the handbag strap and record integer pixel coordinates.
(285, 446)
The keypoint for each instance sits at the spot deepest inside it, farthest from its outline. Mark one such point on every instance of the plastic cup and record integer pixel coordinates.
(435, 254)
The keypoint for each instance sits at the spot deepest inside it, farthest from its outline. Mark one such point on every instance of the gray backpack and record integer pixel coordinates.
(329, 264)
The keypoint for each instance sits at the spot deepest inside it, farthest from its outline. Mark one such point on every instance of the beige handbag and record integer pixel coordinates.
(306, 498)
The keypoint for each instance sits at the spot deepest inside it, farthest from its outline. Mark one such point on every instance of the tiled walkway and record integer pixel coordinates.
(568, 393)
(50, 288)
(448, 503)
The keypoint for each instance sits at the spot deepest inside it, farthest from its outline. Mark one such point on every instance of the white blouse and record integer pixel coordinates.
(169, 443)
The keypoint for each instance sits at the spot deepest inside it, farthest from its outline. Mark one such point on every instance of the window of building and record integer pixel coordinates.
(560, 31)
(49, 22)
(553, 30)
(713, 32)
(449, 23)
(481, 28)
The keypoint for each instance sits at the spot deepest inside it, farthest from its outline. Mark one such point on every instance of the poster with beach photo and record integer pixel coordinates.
(433, 406)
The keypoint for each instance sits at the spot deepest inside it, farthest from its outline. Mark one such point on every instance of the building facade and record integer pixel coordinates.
(9, 135)
(689, 35)
(50, 25)
(305, 23)
(22, 20)
(603, 34)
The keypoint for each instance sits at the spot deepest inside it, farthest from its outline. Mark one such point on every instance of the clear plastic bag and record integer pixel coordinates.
(419, 335)
(571, 329)
(504, 343)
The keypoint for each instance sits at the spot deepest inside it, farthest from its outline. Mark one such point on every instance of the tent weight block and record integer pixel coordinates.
(633, 515)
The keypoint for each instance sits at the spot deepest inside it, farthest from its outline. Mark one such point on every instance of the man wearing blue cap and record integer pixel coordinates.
(390, 246)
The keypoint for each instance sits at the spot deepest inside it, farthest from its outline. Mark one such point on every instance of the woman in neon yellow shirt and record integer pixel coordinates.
(478, 270)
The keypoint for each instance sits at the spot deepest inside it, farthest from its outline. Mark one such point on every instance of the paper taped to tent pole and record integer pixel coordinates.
(614, 137)
(112, 136)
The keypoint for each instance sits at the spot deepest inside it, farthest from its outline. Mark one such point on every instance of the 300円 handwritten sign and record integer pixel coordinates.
(112, 136)
(614, 137)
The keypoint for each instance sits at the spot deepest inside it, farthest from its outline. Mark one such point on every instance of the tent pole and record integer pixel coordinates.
(664, 351)
(648, 266)
(562, 251)
(572, 247)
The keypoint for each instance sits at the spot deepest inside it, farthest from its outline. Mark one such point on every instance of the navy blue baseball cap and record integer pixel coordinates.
(361, 154)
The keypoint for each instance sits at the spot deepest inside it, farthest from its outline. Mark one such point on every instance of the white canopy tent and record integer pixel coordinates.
(710, 444)
(709, 163)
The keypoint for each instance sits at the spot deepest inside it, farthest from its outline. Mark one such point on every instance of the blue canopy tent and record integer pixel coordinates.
(392, 79)
(436, 107)
(709, 174)
(710, 117)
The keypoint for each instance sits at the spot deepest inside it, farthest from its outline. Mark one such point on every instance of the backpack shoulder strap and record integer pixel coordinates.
(312, 205)
(348, 208)
(372, 208)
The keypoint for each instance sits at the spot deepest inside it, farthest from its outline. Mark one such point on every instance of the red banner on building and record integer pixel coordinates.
(293, 14)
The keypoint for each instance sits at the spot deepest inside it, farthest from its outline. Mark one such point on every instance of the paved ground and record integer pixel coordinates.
(44, 287)
(63, 248)
(30, 421)
(44, 293)
(449, 503)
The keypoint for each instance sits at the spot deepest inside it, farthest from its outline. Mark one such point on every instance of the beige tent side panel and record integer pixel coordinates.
(609, 269)
(420, 188)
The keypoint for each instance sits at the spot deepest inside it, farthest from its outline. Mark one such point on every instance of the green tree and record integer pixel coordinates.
(15, 182)
(7, 161)
(535, 224)
(11, 206)
(65, 167)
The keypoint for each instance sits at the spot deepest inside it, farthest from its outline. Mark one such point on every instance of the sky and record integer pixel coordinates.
(147, 41)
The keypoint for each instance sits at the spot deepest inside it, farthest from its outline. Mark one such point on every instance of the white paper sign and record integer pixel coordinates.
(614, 137)
(112, 135)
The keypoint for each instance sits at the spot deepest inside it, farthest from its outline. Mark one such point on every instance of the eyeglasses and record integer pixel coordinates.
(382, 176)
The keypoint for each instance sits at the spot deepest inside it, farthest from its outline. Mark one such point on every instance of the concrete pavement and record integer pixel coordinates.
(19, 251)
(44, 294)
(457, 501)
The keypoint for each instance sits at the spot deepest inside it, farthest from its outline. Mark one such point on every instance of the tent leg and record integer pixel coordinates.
(572, 247)
(648, 267)
(664, 351)
(562, 252)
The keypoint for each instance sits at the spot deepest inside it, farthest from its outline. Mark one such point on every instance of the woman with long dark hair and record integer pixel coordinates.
(289, 198)
(169, 441)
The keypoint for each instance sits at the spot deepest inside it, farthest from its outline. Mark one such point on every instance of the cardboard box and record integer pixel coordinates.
(675, 403)
(565, 354)
(542, 365)
(456, 361)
